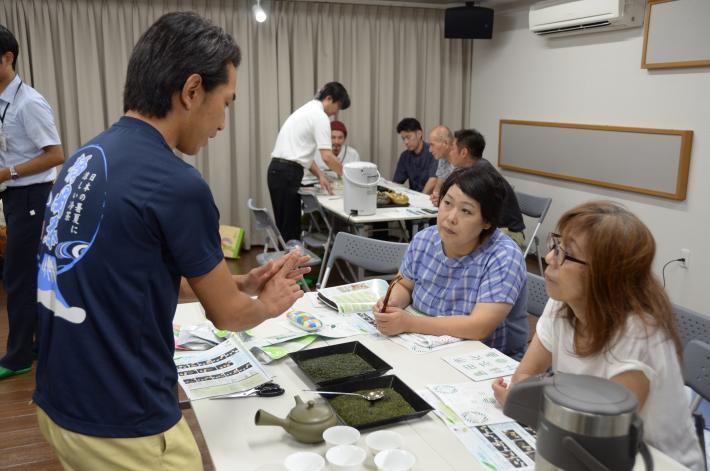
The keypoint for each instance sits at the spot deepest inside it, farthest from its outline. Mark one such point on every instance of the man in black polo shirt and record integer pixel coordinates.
(129, 225)
(468, 152)
(416, 164)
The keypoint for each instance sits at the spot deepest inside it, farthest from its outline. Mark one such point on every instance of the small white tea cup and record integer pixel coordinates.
(395, 460)
(346, 458)
(383, 440)
(304, 461)
(341, 435)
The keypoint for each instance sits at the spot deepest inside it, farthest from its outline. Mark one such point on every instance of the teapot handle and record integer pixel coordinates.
(637, 442)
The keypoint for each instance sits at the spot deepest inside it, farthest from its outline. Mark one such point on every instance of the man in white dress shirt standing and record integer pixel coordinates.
(29, 151)
(303, 133)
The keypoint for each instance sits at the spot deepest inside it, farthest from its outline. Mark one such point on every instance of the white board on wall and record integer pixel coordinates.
(676, 34)
(643, 160)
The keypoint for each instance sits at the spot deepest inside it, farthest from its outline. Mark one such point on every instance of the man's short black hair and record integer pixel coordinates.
(8, 43)
(176, 46)
(409, 125)
(337, 92)
(484, 185)
(472, 140)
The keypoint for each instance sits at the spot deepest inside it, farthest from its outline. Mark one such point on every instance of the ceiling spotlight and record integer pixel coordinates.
(259, 13)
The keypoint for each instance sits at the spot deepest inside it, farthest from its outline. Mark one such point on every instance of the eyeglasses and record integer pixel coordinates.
(553, 244)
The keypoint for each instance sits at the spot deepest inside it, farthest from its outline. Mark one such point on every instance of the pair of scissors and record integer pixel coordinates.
(269, 389)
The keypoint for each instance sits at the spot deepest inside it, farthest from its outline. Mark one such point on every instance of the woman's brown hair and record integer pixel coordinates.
(619, 283)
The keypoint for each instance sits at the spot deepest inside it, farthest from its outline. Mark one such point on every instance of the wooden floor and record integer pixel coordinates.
(22, 446)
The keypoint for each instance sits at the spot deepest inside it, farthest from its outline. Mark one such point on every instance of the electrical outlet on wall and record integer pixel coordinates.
(685, 253)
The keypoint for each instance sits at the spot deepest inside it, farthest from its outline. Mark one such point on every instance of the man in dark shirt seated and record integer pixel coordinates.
(468, 152)
(416, 164)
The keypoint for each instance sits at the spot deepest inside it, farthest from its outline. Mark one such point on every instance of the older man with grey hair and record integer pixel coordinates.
(441, 142)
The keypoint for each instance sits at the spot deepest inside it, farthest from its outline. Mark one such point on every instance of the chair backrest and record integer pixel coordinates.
(691, 325)
(311, 206)
(310, 203)
(537, 295)
(380, 256)
(265, 223)
(533, 206)
(696, 367)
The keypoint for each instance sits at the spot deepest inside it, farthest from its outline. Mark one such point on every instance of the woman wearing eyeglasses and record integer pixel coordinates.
(608, 316)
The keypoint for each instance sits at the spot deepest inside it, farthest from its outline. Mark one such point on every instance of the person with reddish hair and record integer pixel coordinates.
(608, 316)
(343, 153)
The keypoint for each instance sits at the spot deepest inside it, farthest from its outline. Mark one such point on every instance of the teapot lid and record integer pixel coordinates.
(310, 412)
(591, 395)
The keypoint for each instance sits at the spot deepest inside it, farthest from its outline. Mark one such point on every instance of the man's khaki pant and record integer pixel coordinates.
(173, 449)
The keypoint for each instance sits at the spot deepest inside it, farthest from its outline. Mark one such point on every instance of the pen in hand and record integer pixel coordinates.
(389, 291)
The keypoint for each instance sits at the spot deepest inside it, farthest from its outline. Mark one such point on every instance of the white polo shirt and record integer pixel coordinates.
(28, 126)
(303, 133)
(347, 154)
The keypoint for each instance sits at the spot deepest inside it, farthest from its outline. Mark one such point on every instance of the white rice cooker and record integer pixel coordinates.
(360, 188)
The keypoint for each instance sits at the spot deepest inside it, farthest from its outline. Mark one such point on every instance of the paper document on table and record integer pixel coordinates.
(272, 340)
(473, 402)
(355, 297)
(483, 364)
(202, 336)
(268, 353)
(312, 297)
(422, 343)
(227, 368)
(333, 325)
(500, 447)
(337, 325)
(275, 338)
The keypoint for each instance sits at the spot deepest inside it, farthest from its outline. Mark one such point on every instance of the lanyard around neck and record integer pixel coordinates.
(2, 117)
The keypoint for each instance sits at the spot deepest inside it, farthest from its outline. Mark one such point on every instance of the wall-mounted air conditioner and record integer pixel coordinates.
(566, 17)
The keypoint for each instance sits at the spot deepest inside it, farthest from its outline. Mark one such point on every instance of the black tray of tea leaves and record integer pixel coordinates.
(338, 363)
(399, 404)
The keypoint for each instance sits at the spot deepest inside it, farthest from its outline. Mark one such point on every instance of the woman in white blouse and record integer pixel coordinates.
(608, 316)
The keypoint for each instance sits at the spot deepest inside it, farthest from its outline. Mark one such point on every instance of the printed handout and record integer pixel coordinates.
(224, 369)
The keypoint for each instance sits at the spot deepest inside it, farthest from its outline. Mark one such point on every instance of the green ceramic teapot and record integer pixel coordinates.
(306, 422)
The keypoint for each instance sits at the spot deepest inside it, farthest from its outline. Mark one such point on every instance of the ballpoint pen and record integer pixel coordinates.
(389, 292)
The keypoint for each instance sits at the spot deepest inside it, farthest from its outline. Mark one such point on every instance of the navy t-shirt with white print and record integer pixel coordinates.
(125, 219)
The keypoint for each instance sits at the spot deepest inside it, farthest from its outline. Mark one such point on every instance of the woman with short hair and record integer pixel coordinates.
(464, 274)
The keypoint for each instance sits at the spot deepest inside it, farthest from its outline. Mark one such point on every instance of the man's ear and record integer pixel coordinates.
(8, 57)
(191, 91)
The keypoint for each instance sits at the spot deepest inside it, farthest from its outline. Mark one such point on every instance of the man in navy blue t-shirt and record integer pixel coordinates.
(416, 164)
(125, 221)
